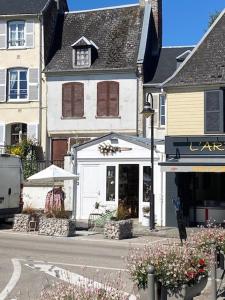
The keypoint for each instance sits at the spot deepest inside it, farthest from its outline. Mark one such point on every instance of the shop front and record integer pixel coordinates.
(195, 174)
(115, 169)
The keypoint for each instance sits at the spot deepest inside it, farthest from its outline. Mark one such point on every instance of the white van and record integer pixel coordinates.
(11, 179)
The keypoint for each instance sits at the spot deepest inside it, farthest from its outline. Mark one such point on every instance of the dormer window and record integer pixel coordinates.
(82, 57)
(84, 53)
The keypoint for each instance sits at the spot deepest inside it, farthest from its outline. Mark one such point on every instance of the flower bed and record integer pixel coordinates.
(174, 266)
(118, 230)
(85, 290)
(56, 226)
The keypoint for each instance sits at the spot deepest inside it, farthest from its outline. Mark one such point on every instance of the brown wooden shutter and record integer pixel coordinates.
(102, 98)
(67, 100)
(78, 99)
(113, 98)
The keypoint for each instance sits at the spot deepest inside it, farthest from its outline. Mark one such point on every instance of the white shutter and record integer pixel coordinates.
(2, 136)
(32, 132)
(3, 35)
(2, 85)
(33, 84)
(30, 34)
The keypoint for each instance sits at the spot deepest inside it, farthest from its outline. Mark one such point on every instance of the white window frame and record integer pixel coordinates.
(18, 70)
(160, 110)
(75, 58)
(17, 38)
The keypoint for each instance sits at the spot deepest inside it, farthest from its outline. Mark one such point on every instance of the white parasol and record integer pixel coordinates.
(51, 175)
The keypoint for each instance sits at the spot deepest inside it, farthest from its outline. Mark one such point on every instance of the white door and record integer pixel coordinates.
(90, 189)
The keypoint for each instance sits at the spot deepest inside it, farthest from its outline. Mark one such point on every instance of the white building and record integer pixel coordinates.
(122, 174)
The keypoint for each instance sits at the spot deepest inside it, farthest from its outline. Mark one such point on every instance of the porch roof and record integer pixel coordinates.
(140, 141)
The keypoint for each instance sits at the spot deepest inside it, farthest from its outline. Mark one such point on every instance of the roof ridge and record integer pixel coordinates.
(186, 46)
(102, 8)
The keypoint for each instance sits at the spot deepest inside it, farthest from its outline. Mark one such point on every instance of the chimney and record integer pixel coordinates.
(157, 15)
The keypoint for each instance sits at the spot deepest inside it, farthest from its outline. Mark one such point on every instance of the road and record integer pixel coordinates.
(29, 262)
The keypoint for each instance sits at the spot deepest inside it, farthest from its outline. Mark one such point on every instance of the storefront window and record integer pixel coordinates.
(146, 183)
(110, 183)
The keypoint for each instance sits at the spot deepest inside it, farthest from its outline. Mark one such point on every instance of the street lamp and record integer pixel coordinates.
(147, 112)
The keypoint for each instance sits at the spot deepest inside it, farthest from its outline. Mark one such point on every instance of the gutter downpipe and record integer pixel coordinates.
(40, 17)
(74, 203)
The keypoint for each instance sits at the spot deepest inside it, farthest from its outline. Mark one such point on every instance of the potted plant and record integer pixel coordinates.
(179, 271)
(119, 226)
(146, 216)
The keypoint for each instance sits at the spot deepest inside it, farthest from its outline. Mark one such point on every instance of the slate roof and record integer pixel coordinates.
(16, 7)
(206, 65)
(116, 31)
(167, 63)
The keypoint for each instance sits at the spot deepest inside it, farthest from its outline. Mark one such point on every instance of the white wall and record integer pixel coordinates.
(138, 155)
(126, 122)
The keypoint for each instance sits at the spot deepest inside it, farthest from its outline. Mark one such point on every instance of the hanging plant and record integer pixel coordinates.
(108, 149)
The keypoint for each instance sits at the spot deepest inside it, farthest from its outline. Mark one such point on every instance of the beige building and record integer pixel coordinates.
(26, 33)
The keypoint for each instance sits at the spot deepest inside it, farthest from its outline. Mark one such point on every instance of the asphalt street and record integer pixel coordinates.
(29, 262)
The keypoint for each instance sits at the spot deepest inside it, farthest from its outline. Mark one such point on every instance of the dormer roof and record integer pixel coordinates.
(83, 41)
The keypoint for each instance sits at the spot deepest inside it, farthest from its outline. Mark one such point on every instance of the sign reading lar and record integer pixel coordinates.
(207, 146)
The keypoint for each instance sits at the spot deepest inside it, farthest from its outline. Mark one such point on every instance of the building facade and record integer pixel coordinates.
(26, 35)
(194, 146)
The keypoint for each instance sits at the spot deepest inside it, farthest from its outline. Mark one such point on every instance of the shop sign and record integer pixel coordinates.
(196, 145)
(207, 146)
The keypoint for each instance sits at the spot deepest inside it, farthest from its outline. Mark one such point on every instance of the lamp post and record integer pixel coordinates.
(147, 112)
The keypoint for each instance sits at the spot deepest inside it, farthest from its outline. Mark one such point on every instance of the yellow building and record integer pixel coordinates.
(195, 134)
(26, 33)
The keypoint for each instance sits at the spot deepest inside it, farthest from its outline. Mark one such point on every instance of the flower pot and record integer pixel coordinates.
(146, 220)
(186, 292)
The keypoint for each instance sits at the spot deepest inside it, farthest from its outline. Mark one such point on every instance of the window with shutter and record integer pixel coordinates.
(16, 37)
(214, 111)
(108, 99)
(73, 100)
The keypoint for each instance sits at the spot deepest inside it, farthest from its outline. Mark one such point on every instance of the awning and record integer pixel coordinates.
(202, 164)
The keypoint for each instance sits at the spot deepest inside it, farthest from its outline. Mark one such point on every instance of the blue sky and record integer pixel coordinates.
(184, 21)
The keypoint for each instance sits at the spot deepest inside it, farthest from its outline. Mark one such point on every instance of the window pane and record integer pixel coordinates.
(23, 85)
(16, 34)
(110, 183)
(17, 84)
(162, 103)
(23, 75)
(146, 183)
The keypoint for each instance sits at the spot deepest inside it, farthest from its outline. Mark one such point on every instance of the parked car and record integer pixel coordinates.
(11, 185)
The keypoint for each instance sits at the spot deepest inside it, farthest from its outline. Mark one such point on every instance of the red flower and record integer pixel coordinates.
(201, 271)
(191, 274)
(201, 261)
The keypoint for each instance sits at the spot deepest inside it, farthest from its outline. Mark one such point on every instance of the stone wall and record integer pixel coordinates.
(56, 227)
(118, 230)
(21, 222)
(45, 226)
